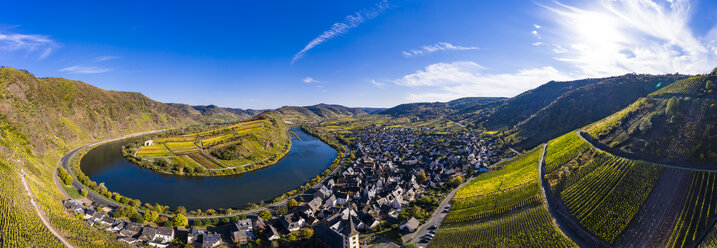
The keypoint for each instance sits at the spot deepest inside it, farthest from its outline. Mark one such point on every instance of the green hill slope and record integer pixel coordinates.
(215, 114)
(433, 110)
(674, 125)
(294, 114)
(41, 119)
(582, 106)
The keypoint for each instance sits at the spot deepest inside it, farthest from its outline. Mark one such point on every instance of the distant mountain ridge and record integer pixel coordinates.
(213, 113)
(432, 110)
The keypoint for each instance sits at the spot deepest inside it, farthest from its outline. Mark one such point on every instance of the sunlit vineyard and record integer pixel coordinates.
(19, 224)
(690, 86)
(528, 227)
(481, 207)
(513, 173)
(698, 212)
(502, 208)
(605, 200)
(563, 149)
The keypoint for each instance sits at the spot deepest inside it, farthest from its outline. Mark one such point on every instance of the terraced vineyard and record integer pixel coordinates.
(690, 86)
(606, 200)
(19, 224)
(512, 173)
(527, 227)
(698, 212)
(564, 149)
(502, 208)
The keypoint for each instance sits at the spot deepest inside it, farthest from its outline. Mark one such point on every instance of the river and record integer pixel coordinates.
(306, 159)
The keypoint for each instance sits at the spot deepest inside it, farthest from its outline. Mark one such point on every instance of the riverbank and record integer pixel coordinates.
(107, 199)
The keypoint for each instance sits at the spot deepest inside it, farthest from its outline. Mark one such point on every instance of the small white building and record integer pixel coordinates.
(149, 143)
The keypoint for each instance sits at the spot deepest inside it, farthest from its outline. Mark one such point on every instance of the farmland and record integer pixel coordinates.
(502, 208)
(219, 150)
(527, 227)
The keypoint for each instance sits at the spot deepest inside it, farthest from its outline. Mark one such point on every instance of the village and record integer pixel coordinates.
(393, 182)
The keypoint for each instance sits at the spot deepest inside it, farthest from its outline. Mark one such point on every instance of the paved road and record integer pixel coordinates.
(65, 162)
(42, 214)
(580, 134)
(437, 217)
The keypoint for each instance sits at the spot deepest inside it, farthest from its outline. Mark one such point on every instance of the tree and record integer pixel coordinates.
(292, 203)
(67, 180)
(180, 220)
(455, 181)
(421, 178)
(409, 245)
(151, 216)
(136, 217)
(281, 210)
(306, 233)
(710, 85)
(180, 210)
(83, 192)
(673, 105)
(265, 214)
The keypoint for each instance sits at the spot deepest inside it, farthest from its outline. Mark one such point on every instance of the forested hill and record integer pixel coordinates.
(294, 114)
(215, 114)
(432, 110)
(584, 105)
(677, 124)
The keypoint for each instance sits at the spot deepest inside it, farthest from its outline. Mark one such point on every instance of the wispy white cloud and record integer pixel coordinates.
(447, 81)
(440, 46)
(77, 69)
(105, 58)
(622, 36)
(309, 80)
(339, 28)
(41, 44)
(377, 83)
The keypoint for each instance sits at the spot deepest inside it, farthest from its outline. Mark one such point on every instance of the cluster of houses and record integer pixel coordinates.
(129, 232)
(392, 168)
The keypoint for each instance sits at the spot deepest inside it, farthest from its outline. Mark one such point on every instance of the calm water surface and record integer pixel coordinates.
(306, 159)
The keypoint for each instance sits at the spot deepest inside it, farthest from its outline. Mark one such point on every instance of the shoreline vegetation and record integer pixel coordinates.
(213, 150)
(135, 204)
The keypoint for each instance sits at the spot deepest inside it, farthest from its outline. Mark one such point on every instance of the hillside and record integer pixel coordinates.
(673, 125)
(42, 118)
(433, 110)
(294, 114)
(584, 105)
(215, 114)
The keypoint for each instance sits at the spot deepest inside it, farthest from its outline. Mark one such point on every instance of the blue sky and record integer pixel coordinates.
(374, 53)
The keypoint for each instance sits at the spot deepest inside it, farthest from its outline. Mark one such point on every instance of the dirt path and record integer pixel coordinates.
(41, 214)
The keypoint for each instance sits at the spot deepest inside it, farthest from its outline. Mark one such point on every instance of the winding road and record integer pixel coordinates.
(438, 215)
